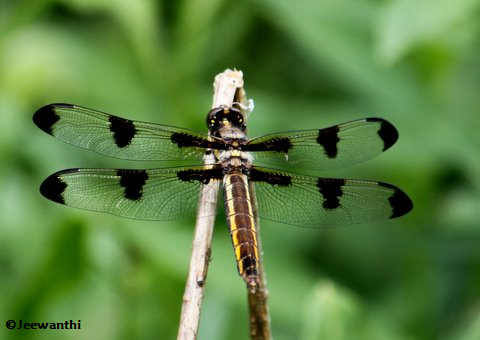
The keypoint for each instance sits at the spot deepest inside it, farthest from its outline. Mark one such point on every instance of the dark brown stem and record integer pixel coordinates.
(258, 294)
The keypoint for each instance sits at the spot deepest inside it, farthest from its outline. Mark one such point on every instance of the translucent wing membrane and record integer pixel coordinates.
(333, 147)
(172, 193)
(156, 194)
(316, 201)
(118, 137)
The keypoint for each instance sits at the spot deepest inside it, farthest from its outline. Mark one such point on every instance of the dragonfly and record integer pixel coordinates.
(275, 164)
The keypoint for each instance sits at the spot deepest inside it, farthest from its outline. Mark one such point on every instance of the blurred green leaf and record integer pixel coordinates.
(331, 313)
(337, 36)
(334, 313)
(405, 25)
(469, 329)
(138, 22)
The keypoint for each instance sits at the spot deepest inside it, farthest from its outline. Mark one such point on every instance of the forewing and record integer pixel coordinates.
(333, 147)
(316, 201)
(155, 194)
(118, 137)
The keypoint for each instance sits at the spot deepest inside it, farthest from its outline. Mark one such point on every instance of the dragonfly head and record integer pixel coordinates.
(221, 118)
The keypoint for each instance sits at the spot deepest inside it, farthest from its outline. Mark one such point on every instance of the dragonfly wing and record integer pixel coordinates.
(320, 149)
(155, 194)
(316, 201)
(119, 137)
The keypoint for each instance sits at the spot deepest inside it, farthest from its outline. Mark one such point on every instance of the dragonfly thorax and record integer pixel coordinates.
(235, 159)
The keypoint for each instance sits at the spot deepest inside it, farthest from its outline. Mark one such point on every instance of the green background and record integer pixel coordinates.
(306, 64)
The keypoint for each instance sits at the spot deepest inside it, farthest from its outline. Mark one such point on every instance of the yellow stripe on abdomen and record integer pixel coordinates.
(239, 213)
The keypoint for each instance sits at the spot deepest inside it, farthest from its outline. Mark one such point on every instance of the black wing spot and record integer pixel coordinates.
(123, 131)
(399, 201)
(280, 144)
(133, 182)
(45, 117)
(53, 188)
(387, 132)
(183, 139)
(331, 190)
(328, 138)
(273, 178)
(202, 175)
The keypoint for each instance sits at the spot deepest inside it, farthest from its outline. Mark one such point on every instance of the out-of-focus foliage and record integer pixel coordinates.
(307, 64)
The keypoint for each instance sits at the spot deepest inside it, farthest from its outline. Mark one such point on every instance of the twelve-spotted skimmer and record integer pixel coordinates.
(170, 193)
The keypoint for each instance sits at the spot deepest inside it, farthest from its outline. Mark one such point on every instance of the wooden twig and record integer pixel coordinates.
(227, 86)
(257, 296)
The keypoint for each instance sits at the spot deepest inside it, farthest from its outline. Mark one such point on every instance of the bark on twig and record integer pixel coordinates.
(226, 89)
(257, 296)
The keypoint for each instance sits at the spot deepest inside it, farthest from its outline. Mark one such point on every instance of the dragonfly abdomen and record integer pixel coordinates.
(241, 222)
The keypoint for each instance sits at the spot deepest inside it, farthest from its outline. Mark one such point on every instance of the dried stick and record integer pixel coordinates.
(226, 86)
(258, 295)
